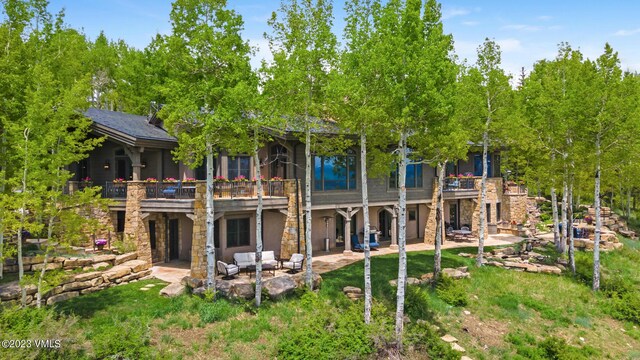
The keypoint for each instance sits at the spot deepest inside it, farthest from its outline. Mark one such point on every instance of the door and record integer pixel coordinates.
(453, 215)
(384, 220)
(174, 242)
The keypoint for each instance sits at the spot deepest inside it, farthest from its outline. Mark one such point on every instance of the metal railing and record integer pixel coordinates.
(171, 190)
(454, 184)
(247, 189)
(113, 190)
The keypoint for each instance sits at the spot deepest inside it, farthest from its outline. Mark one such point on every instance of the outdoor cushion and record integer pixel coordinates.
(295, 263)
(244, 259)
(228, 270)
(357, 246)
(269, 257)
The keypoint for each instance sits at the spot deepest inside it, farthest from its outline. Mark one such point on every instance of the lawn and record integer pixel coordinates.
(507, 315)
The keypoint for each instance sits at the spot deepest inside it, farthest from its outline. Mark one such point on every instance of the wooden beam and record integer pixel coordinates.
(144, 215)
(191, 216)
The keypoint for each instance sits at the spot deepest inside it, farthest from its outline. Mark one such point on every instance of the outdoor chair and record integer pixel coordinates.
(171, 191)
(294, 264)
(355, 244)
(228, 270)
(466, 228)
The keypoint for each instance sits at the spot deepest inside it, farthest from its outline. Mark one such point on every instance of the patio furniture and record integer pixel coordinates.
(294, 264)
(461, 234)
(251, 269)
(171, 191)
(355, 244)
(228, 270)
(245, 259)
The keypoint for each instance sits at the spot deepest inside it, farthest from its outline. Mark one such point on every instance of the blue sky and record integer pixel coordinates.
(526, 30)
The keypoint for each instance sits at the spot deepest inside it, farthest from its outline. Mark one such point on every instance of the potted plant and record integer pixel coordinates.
(119, 181)
(151, 180)
(240, 179)
(220, 179)
(189, 181)
(86, 181)
(100, 243)
(275, 178)
(170, 180)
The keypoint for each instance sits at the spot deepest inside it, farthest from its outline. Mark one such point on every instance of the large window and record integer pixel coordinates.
(414, 177)
(239, 166)
(201, 171)
(238, 232)
(477, 165)
(335, 172)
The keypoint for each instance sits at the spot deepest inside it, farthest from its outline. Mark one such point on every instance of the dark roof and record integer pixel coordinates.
(130, 129)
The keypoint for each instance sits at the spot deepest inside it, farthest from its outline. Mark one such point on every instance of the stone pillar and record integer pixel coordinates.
(347, 240)
(199, 237)
(134, 226)
(294, 223)
(430, 224)
(394, 229)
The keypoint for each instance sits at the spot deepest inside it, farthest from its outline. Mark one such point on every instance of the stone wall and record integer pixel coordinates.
(514, 208)
(430, 226)
(289, 242)
(134, 227)
(125, 268)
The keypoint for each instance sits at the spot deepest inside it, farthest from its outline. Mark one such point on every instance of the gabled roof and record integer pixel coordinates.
(132, 130)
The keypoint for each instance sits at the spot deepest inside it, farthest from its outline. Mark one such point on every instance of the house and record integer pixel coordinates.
(164, 215)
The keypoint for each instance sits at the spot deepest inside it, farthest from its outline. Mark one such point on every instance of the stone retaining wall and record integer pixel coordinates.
(127, 269)
(36, 263)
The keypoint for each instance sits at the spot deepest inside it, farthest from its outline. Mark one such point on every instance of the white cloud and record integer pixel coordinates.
(544, 17)
(509, 45)
(262, 52)
(627, 32)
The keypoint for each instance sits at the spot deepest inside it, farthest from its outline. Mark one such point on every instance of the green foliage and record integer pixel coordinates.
(218, 310)
(423, 338)
(625, 307)
(551, 348)
(417, 303)
(451, 291)
(124, 245)
(129, 339)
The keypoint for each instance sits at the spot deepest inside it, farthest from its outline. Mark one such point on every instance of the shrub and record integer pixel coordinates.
(451, 291)
(128, 340)
(584, 267)
(424, 338)
(625, 307)
(552, 348)
(416, 304)
(219, 310)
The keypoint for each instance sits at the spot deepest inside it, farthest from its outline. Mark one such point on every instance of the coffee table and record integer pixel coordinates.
(251, 269)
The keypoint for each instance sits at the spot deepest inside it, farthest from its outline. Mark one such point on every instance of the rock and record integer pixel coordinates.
(150, 285)
(64, 296)
(97, 281)
(198, 291)
(466, 312)
(76, 285)
(125, 257)
(224, 288)
(455, 273)
(495, 263)
(457, 347)
(504, 251)
(351, 290)
(191, 282)
(101, 265)
(279, 287)
(71, 263)
(393, 282)
(59, 259)
(30, 260)
(426, 277)
(465, 358)
(448, 338)
(55, 291)
(243, 290)
(467, 255)
(87, 276)
(103, 258)
(300, 279)
(85, 261)
(173, 290)
(89, 290)
(50, 266)
(137, 265)
(116, 272)
(413, 281)
(355, 297)
(549, 269)
(617, 245)
(10, 291)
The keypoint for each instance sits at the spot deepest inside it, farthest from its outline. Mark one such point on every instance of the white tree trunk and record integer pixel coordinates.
(483, 196)
(561, 247)
(365, 213)
(596, 239)
(210, 244)
(256, 160)
(628, 217)
(23, 211)
(554, 214)
(572, 251)
(307, 208)
(44, 265)
(402, 238)
(437, 256)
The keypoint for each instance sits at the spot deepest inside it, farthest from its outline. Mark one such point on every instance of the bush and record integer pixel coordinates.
(128, 340)
(451, 291)
(552, 348)
(625, 307)
(416, 304)
(43, 323)
(424, 338)
(584, 267)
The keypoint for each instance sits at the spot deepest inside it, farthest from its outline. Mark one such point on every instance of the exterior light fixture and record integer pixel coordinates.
(107, 165)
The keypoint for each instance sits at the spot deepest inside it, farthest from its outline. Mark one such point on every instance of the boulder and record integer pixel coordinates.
(59, 259)
(549, 269)
(457, 347)
(136, 265)
(279, 287)
(50, 266)
(125, 257)
(355, 297)
(89, 290)
(449, 339)
(71, 262)
(413, 281)
(426, 277)
(103, 258)
(30, 260)
(101, 265)
(87, 276)
(199, 291)
(191, 282)
(173, 290)
(84, 261)
(495, 263)
(76, 285)
(116, 272)
(97, 281)
(458, 273)
(243, 290)
(300, 279)
(61, 297)
(351, 290)
(224, 288)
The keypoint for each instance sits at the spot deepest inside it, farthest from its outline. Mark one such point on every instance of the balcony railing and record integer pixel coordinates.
(171, 190)
(113, 190)
(455, 184)
(247, 189)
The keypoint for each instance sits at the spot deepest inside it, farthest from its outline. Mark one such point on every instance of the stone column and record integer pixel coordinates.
(294, 223)
(199, 237)
(134, 225)
(394, 229)
(430, 224)
(347, 235)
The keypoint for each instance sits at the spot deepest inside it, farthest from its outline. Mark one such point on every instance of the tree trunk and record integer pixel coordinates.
(210, 245)
(23, 211)
(437, 256)
(572, 251)
(628, 216)
(256, 160)
(556, 221)
(307, 207)
(596, 239)
(46, 258)
(402, 231)
(562, 245)
(365, 213)
(483, 196)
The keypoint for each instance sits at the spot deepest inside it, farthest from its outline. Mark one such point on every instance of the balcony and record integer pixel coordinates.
(182, 190)
(247, 189)
(456, 184)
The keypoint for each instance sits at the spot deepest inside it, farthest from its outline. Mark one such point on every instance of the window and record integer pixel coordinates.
(152, 234)
(239, 166)
(335, 172)
(201, 171)
(488, 213)
(496, 166)
(414, 177)
(412, 215)
(498, 212)
(238, 232)
(477, 165)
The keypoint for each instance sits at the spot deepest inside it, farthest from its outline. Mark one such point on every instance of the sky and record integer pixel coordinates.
(527, 31)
